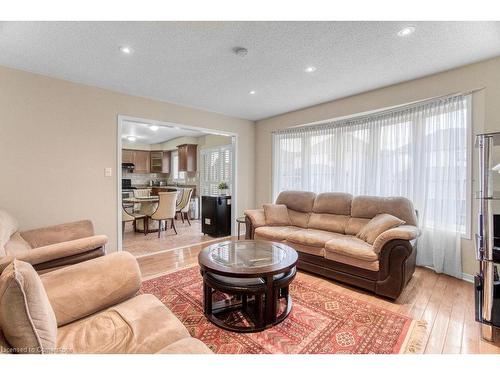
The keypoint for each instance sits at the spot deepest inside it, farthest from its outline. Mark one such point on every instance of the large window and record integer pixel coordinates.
(420, 152)
(216, 167)
(176, 175)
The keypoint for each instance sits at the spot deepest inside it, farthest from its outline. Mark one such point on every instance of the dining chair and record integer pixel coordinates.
(165, 210)
(183, 204)
(140, 193)
(131, 218)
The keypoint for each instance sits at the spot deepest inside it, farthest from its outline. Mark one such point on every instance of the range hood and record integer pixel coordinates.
(128, 166)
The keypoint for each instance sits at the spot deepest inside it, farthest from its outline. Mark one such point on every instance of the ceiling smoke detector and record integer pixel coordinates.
(240, 51)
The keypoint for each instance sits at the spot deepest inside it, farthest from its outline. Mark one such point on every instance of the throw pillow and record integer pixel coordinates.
(377, 226)
(276, 214)
(27, 319)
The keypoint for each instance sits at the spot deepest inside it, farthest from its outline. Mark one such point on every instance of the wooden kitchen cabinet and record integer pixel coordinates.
(127, 156)
(187, 157)
(142, 161)
(156, 161)
(166, 161)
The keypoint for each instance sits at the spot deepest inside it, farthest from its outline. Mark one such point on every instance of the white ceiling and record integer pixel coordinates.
(192, 63)
(145, 135)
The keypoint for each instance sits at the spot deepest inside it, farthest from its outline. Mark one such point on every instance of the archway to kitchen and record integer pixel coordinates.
(155, 157)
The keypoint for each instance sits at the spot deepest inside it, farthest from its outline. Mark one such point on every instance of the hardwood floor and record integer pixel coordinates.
(139, 244)
(445, 303)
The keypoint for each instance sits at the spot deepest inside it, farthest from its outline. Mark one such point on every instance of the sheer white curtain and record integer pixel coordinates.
(420, 152)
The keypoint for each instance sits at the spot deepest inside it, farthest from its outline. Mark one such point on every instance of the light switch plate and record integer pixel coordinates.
(108, 172)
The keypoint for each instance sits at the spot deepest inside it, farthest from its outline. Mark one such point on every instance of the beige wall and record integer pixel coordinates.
(486, 117)
(56, 138)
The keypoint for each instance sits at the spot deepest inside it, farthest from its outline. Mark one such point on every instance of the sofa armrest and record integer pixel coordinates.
(57, 252)
(253, 219)
(83, 289)
(58, 233)
(257, 217)
(403, 232)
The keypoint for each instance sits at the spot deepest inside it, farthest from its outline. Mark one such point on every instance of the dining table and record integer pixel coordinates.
(147, 207)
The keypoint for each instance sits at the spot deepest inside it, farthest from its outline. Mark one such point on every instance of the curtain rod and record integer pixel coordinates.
(383, 111)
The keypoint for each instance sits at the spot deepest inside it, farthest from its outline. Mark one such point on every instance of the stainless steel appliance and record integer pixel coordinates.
(487, 284)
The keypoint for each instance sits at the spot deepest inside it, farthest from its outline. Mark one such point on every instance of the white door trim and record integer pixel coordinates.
(121, 118)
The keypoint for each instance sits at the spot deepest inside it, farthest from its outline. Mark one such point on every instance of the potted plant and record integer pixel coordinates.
(223, 188)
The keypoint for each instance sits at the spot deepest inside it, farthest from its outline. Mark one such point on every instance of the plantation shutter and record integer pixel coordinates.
(216, 168)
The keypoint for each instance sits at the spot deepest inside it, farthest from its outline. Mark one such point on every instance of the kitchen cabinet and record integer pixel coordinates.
(141, 161)
(127, 156)
(187, 157)
(156, 161)
(166, 161)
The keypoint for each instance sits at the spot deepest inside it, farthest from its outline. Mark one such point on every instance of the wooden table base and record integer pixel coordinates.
(257, 303)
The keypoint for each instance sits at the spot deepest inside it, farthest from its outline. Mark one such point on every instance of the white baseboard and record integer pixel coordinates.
(467, 277)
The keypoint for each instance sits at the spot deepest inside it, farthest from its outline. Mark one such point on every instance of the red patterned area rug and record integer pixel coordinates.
(322, 321)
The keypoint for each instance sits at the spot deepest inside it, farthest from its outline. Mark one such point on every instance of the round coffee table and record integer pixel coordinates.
(246, 283)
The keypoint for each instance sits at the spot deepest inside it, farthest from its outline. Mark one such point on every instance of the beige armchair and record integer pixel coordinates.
(165, 210)
(183, 205)
(89, 308)
(50, 247)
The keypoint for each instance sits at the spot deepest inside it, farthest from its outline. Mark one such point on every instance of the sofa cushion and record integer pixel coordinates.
(276, 214)
(8, 226)
(139, 325)
(17, 246)
(274, 233)
(328, 222)
(301, 201)
(299, 219)
(368, 207)
(355, 224)
(26, 316)
(313, 250)
(378, 225)
(352, 247)
(189, 345)
(312, 237)
(333, 203)
(356, 262)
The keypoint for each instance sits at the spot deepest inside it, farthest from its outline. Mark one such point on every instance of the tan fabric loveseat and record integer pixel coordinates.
(49, 247)
(90, 307)
(343, 237)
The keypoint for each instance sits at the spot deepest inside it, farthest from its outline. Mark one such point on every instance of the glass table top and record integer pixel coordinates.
(247, 254)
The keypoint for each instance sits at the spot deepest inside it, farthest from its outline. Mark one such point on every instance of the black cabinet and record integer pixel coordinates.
(216, 215)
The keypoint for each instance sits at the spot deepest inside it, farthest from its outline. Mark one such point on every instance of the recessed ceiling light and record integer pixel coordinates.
(310, 69)
(406, 31)
(126, 50)
(131, 139)
(240, 51)
(154, 127)
(252, 92)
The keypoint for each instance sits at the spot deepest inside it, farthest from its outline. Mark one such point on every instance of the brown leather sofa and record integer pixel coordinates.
(90, 307)
(50, 247)
(324, 229)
